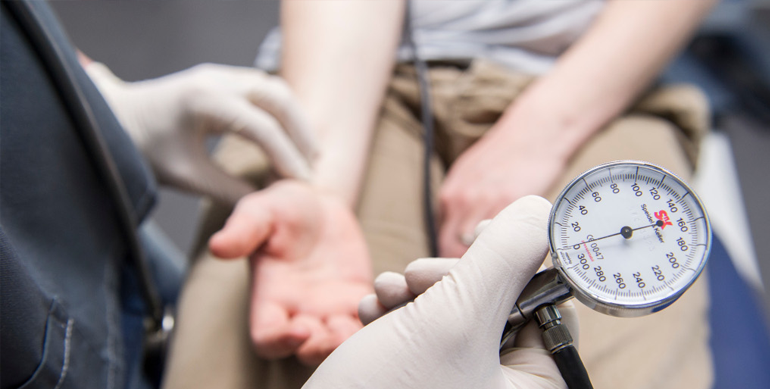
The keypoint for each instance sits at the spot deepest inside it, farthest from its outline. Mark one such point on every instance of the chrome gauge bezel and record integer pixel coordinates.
(597, 302)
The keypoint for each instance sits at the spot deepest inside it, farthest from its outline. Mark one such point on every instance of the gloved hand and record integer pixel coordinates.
(170, 117)
(449, 336)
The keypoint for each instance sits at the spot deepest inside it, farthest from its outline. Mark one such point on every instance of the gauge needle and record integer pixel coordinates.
(626, 231)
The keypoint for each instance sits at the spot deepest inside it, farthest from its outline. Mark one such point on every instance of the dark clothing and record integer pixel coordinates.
(64, 256)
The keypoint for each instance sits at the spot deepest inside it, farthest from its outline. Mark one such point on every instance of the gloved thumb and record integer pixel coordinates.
(490, 276)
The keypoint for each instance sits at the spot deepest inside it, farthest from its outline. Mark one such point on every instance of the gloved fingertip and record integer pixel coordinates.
(314, 152)
(304, 172)
(391, 289)
(370, 309)
(309, 148)
(520, 226)
(388, 278)
(423, 273)
(298, 169)
(100, 74)
(531, 204)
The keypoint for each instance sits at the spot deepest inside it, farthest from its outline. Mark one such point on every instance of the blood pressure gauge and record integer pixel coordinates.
(627, 239)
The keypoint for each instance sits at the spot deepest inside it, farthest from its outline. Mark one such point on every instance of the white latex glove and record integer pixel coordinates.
(392, 290)
(169, 119)
(449, 337)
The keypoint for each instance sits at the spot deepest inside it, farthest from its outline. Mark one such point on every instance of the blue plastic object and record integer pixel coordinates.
(739, 335)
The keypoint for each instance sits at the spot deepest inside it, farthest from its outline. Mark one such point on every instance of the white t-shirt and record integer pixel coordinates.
(524, 35)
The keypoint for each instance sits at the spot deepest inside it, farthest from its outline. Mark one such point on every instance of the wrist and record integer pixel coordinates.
(331, 179)
(289, 187)
(540, 126)
(340, 165)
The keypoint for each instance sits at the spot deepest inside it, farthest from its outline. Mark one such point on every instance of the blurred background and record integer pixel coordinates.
(146, 39)
(729, 58)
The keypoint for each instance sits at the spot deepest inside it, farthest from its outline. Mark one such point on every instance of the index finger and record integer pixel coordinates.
(253, 123)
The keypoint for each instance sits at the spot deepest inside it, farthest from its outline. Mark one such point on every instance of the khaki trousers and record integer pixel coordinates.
(666, 350)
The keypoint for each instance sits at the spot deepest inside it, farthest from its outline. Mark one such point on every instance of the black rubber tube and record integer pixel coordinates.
(572, 369)
(426, 116)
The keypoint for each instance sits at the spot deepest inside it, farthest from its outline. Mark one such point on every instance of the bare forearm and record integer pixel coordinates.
(601, 75)
(337, 57)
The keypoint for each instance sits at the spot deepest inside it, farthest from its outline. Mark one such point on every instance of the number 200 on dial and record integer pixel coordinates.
(629, 237)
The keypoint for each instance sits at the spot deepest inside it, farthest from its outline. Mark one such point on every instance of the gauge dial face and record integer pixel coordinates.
(629, 236)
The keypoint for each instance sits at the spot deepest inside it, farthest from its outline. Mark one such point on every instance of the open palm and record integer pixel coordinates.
(310, 267)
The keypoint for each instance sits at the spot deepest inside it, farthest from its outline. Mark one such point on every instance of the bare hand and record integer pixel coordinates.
(309, 270)
(496, 171)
